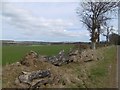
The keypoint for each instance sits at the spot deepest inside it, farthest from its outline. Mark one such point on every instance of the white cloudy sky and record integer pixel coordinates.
(42, 21)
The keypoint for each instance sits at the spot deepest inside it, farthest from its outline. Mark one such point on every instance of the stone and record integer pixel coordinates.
(58, 59)
(28, 77)
(26, 73)
(62, 58)
(33, 79)
(24, 79)
(39, 83)
(39, 74)
(17, 81)
(88, 60)
(81, 54)
(90, 55)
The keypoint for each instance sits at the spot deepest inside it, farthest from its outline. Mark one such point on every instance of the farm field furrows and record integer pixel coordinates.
(14, 53)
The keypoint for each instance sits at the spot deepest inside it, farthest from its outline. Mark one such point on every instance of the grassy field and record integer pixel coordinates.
(12, 54)
(104, 71)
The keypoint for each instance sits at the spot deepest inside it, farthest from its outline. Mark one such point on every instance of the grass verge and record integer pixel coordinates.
(101, 72)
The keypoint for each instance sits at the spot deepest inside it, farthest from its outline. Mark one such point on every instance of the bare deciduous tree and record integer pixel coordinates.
(108, 32)
(94, 15)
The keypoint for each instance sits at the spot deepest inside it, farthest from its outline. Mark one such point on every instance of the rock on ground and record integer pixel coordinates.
(32, 79)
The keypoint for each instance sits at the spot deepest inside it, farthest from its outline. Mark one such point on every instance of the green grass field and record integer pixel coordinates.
(12, 54)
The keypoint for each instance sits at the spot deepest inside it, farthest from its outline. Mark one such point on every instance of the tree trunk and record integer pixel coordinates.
(98, 35)
(98, 38)
(107, 39)
(93, 45)
(93, 34)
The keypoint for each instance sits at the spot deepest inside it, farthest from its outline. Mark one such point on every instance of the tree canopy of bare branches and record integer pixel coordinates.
(94, 15)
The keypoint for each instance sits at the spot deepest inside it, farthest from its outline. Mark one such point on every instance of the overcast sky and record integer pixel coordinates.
(43, 21)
